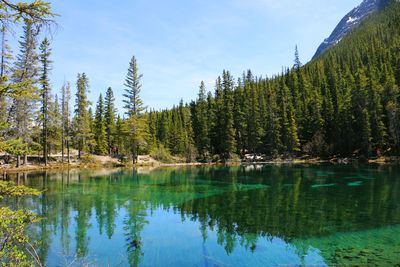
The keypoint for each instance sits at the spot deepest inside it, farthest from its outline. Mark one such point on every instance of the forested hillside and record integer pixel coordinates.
(346, 102)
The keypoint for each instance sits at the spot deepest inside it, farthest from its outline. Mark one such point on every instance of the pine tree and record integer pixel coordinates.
(100, 128)
(288, 123)
(211, 119)
(253, 118)
(228, 141)
(66, 124)
(392, 94)
(297, 63)
(90, 142)
(272, 139)
(25, 75)
(54, 125)
(378, 129)
(200, 122)
(45, 52)
(134, 107)
(38, 12)
(240, 119)
(361, 121)
(217, 131)
(109, 117)
(82, 119)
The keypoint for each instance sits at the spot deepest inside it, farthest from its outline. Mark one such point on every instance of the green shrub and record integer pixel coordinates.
(162, 154)
(15, 248)
(234, 158)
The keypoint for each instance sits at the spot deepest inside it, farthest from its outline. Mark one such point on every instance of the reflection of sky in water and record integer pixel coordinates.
(167, 241)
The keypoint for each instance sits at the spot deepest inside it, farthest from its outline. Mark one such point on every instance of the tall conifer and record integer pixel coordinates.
(45, 52)
(82, 119)
(134, 107)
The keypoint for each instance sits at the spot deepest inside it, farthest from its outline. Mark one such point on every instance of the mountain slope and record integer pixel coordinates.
(351, 20)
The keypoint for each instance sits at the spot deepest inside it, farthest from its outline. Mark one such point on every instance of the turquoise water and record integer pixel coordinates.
(256, 215)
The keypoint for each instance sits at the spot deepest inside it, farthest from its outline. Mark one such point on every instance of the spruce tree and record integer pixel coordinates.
(253, 117)
(134, 108)
(82, 119)
(201, 124)
(54, 125)
(25, 76)
(109, 117)
(66, 124)
(290, 139)
(297, 62)
(217, 134)
(240, 119)
(100, 128)
(361, 123)
(272, 139)
(45, 52)
(211, 119)
(228, 141)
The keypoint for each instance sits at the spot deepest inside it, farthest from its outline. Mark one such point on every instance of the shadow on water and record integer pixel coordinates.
(258, 215)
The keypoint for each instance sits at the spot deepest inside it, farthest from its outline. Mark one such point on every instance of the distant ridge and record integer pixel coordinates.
(351, 20)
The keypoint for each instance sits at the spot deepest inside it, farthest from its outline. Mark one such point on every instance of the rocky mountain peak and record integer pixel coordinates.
(352, 19)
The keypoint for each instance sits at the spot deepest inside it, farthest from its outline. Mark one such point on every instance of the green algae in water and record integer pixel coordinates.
(356, 183)
(324, 173)
(365, 177)
(323, 185)
(375, 247)
(250, 186)
(201, 216)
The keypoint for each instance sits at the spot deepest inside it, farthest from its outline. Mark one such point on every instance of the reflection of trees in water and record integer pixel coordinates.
(134, 223)
(84, 213)
(291, 208)
(214, 196)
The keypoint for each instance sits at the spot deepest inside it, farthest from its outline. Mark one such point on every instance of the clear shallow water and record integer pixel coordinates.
(258, 215)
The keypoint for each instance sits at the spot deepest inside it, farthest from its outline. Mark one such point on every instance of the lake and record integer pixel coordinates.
(251, 215)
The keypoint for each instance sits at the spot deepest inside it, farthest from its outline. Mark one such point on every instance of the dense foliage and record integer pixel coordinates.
(15, 248)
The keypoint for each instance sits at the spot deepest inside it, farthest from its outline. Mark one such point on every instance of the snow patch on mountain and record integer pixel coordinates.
(351, 20)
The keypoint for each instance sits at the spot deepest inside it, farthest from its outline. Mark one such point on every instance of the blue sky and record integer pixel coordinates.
(180, 43)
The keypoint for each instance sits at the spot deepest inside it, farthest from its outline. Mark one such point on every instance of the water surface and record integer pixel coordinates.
(257, 215)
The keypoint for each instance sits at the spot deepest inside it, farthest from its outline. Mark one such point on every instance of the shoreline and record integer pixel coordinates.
(155, 164)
